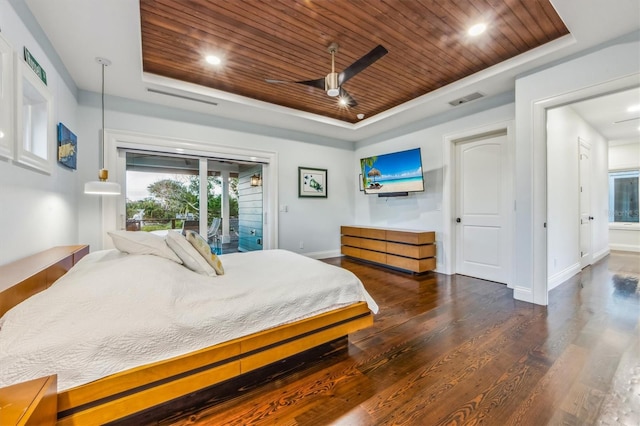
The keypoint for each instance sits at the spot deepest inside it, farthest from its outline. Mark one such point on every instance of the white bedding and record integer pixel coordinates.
(115, 311)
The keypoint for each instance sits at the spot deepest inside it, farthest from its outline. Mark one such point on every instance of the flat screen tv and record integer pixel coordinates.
(393, 174)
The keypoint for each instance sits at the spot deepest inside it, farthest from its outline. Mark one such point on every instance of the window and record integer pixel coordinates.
(623, 196)
(6, 99)
(34, 120)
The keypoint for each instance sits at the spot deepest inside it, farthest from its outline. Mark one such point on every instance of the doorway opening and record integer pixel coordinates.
(579, 135)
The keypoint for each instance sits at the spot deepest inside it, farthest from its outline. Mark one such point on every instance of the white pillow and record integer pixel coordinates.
(189, 255)
(140, 242)
(204, 250)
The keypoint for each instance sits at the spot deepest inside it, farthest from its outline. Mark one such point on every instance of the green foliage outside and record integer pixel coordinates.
(171, 199)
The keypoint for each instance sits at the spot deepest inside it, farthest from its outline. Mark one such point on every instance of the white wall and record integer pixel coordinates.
(564, 127)
(420, 210)
(37, 211)
(624, 236)
(624, 156)
(610, 68)
(315, 222)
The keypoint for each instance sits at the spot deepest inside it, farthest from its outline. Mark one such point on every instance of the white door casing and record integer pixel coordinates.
(585, 203)
(482, 206)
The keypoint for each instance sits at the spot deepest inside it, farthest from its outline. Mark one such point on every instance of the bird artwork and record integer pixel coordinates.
(311, 182)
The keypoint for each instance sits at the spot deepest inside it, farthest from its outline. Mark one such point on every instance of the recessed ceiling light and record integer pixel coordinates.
(213, 60)
(342, 102)
(360, 116)
(634, 108)
(477, 29)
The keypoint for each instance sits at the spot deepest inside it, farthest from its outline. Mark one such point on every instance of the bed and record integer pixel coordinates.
(197, 345)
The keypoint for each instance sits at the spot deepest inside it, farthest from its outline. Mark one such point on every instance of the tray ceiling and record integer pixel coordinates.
(287, 40)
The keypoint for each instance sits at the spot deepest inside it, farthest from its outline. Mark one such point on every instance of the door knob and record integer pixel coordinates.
(590, 217)
(458, 220)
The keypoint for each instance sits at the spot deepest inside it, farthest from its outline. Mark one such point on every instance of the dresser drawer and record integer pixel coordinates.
(373, 256)
(414, 265)
(407, 250)
(376, 234)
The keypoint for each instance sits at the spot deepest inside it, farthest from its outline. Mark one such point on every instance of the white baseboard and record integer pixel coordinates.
(556, 279)
(523, 294)
(600, 255)
(624, 247)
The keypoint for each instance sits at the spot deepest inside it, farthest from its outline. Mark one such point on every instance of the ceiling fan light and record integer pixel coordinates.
(331, 84)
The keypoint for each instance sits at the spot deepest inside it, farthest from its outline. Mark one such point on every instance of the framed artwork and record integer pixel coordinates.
(67, 147)
(312, 182)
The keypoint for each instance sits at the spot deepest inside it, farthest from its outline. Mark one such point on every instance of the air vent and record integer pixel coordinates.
(627, 120)
(467, 98)
(175, 95)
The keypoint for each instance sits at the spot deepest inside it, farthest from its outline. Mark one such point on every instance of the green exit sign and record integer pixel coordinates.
(35, 66)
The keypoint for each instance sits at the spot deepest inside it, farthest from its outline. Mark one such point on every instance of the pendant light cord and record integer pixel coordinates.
(102, 164)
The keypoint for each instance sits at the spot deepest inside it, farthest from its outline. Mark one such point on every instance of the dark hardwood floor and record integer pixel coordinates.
(460, 351)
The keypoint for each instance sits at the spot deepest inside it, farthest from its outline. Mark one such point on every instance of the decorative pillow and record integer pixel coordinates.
(140, 242)
(189, 255)
(204, 249)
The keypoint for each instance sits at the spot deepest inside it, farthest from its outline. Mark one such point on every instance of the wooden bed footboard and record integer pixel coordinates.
(129, 392)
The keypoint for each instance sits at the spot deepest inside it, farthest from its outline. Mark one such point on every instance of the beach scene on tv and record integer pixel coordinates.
(396, 172)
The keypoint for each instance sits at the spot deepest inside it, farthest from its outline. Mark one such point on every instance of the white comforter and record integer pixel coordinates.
(115, 311)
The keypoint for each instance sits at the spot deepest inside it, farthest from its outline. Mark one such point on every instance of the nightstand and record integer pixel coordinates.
(30, 403)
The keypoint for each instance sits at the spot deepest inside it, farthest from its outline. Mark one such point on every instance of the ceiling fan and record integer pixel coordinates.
(332, 83)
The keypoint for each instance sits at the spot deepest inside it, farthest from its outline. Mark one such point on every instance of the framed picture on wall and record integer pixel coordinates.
(312, 182)
(67, 147)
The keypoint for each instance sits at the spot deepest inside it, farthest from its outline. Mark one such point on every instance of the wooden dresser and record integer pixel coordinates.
(409, 250)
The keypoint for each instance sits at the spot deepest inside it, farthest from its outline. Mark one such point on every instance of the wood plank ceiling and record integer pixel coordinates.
(287, 40)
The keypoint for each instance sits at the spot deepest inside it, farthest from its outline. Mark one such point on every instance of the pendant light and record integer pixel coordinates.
(102, 186)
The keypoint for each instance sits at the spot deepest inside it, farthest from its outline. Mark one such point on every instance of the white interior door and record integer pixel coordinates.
(482, 219)
(585, 204)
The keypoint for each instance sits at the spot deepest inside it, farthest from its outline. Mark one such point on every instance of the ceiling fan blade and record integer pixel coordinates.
(348, 98)
(362, 63)
(319, 83)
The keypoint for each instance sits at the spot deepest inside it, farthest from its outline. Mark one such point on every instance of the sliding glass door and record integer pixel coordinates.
(168, 191)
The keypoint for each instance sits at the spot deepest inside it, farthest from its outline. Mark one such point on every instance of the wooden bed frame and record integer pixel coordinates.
(122, 394)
